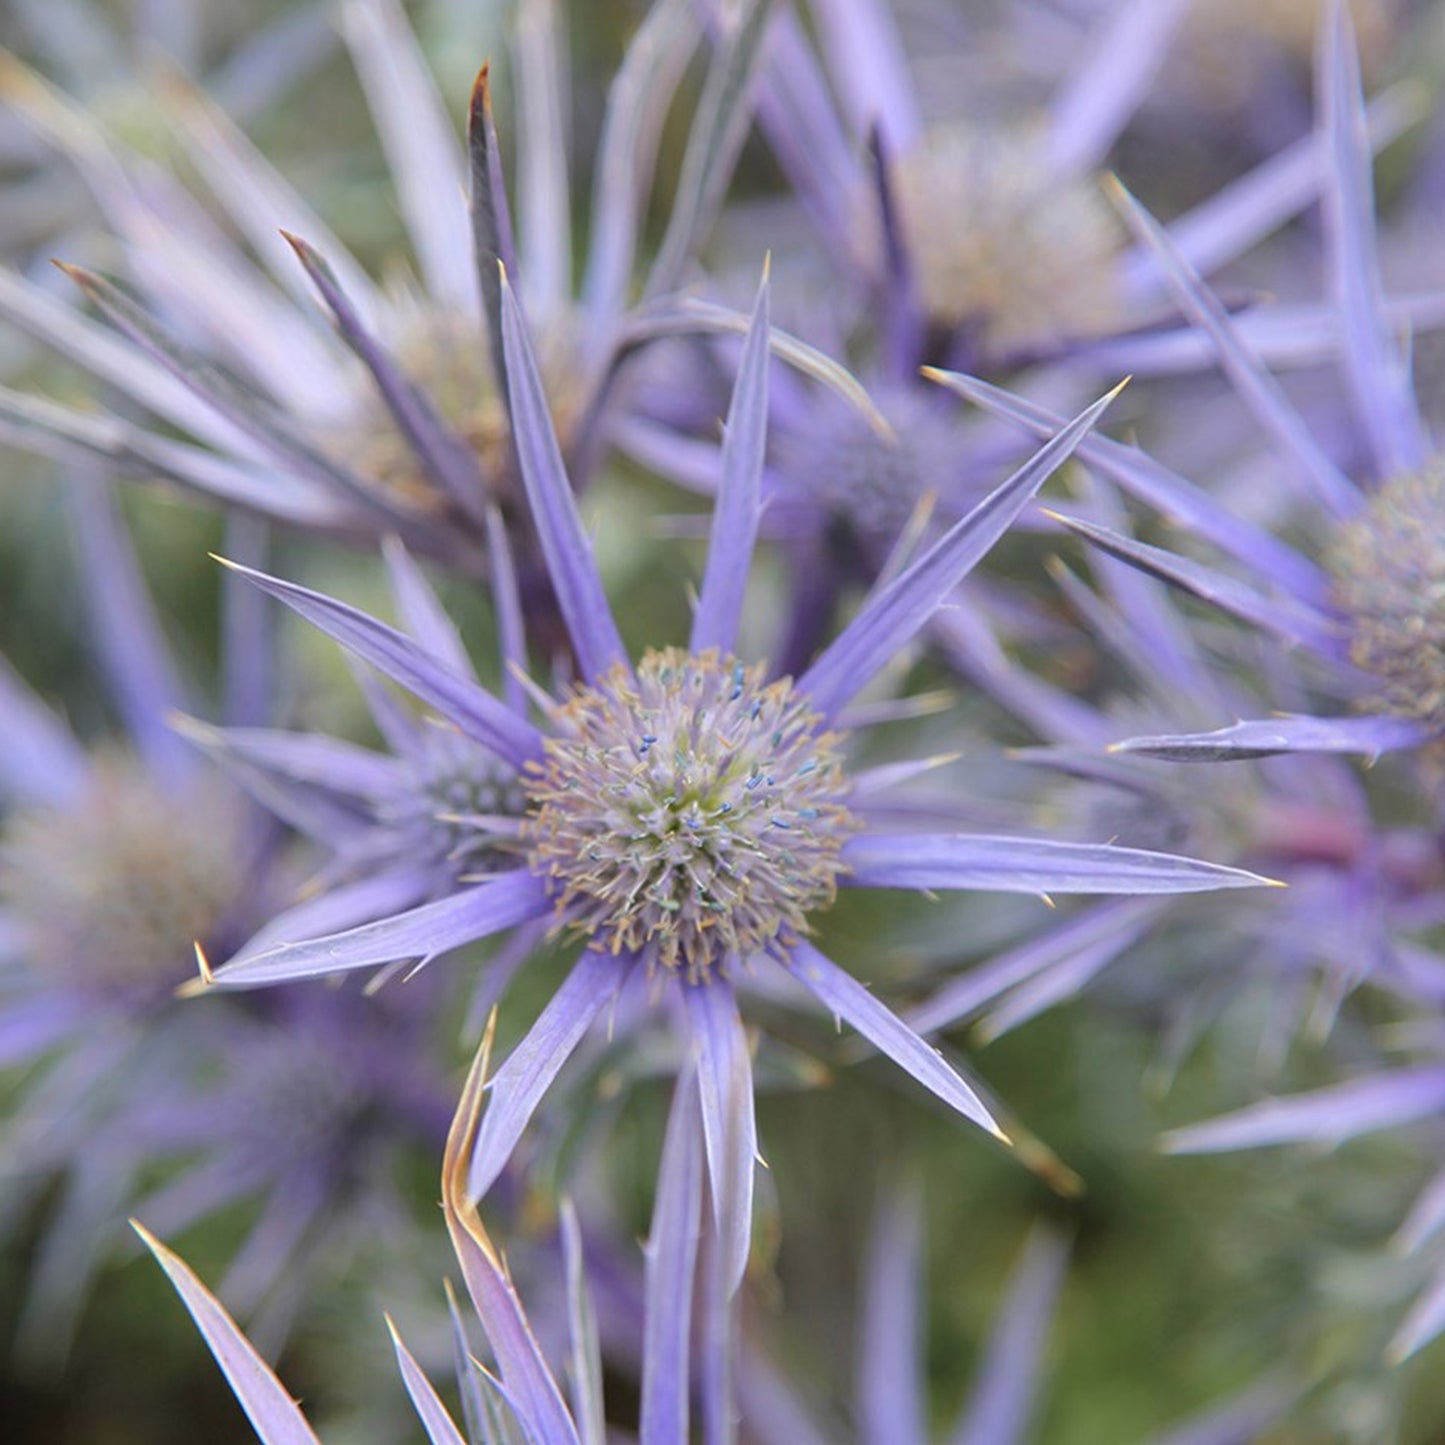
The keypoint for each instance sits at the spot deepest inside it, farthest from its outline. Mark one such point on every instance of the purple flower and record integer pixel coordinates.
(981, 241)
(1358, 885)
(380, 412)
(686, 816)
(1356, 604)
(114, 861)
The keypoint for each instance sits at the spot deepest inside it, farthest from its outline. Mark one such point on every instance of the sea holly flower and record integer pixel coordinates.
(1357, 603)
(380, 411)
(983, 241)
(114, 860)
(1357, 885)
(689, 813)
(403, 827)
(118, 861)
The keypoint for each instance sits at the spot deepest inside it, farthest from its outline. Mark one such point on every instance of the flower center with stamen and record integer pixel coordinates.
(455, 802)
(694, 811)
(445, 355)
(113, 892)
(1389, 582)
(1001, 243)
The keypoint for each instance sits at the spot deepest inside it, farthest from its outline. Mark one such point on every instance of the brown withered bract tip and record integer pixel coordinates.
(78, 274)
(481, 101)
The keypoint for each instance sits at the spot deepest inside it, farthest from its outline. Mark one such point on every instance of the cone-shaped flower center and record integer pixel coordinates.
(455, 803)
(445, 355)
(114, 891)
(1389, 568)
(1001, 243)
(694, 811)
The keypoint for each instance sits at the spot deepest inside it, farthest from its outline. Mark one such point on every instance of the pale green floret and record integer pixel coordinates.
(1389, 571)
(1000, 242)
(694, 811)
(113, 892)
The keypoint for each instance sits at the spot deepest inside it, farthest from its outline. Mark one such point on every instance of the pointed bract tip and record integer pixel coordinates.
(76, 273)
(148, 1239)
(1117, 191)
(767, 265)
(203, 964)
(481, 100)
(188, 727)
(17, 80)
(1045, 1165)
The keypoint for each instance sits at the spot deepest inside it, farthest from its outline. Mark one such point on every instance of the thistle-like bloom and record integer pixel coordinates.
(1357, 885)
(984, 240)
(1364, 628)
(381, 411)
(114, 861)
(688, 815)
(1357, 602)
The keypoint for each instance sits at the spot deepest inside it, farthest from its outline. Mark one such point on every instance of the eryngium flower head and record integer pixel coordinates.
(377, 411)
(398, 828)
(692, 808)
(1003, 246)
(679, 737)
(1378, 530)
(115, 861)
(1388, 564)
(110, 891)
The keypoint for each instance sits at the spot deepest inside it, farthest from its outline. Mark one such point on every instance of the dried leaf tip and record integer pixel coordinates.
(149, 1240)
(479, 110)
(205, 979)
